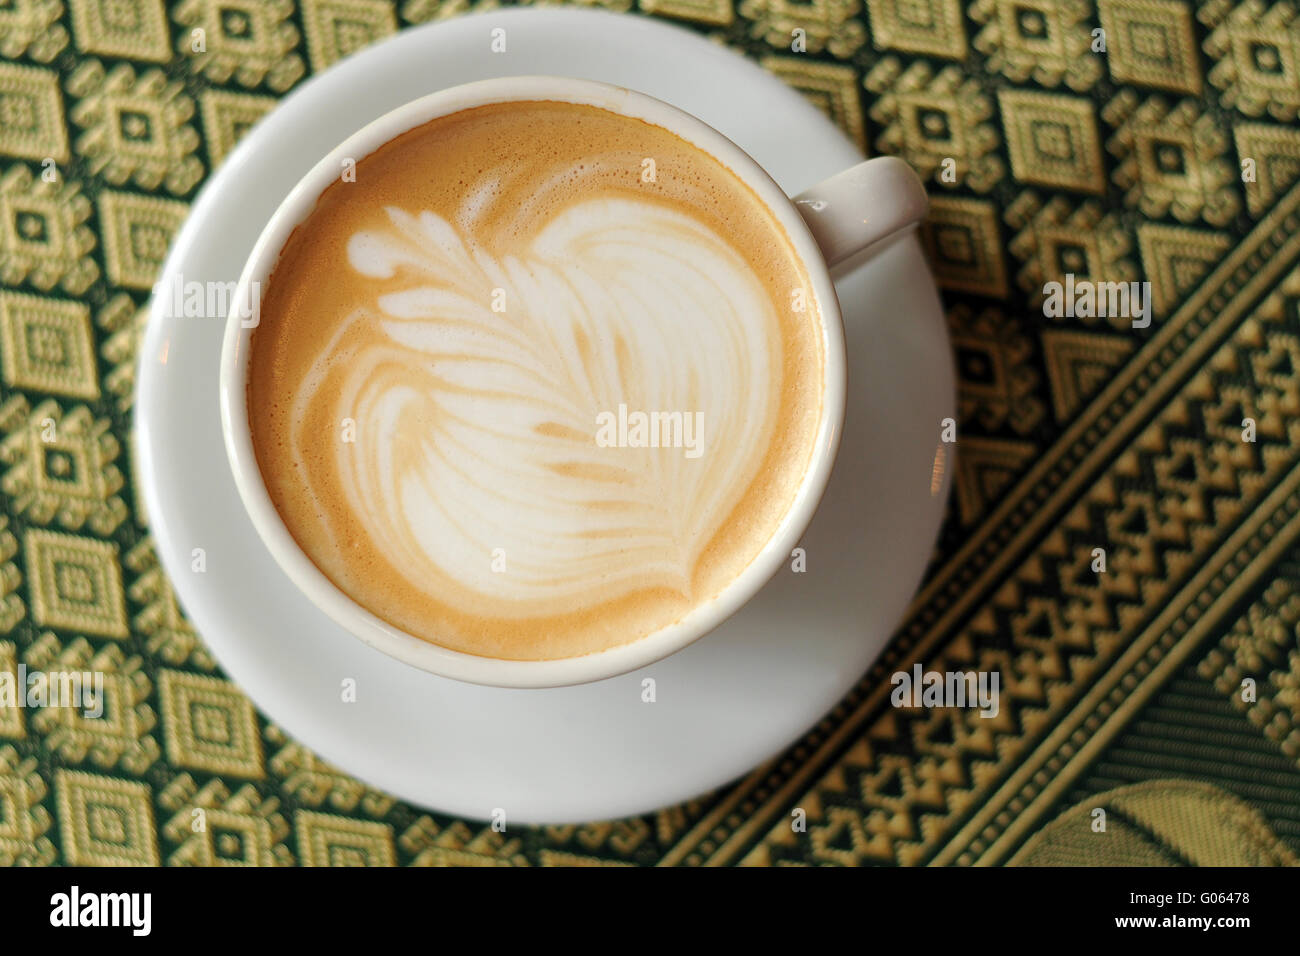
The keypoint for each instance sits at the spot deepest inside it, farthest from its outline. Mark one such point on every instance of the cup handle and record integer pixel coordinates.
(858, 210)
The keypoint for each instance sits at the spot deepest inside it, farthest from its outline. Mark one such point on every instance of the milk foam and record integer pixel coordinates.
(475, 429)
(469, 349)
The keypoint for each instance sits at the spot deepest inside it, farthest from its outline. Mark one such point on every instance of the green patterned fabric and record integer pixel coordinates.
(1164, 690)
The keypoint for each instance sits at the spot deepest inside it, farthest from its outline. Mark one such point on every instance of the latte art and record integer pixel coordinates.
(448, 344)
(474, 428)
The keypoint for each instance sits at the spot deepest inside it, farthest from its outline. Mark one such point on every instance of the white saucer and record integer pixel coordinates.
(730, 701)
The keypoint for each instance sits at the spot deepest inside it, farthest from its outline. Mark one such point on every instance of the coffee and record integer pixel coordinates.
(536, 381)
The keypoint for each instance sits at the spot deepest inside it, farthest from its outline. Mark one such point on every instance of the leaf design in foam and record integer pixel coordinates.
(476, 430)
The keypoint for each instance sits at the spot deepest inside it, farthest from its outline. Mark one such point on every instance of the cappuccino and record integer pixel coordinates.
(535, 379)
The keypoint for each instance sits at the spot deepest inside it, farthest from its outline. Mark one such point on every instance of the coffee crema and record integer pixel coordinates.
(447, 344)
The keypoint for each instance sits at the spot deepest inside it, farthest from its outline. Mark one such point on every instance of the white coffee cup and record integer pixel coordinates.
(848, 216)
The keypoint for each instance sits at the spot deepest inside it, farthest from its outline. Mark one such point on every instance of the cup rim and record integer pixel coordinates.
(434, 658)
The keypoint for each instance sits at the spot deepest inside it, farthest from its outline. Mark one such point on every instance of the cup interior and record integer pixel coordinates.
(413, 650)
